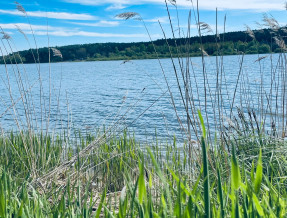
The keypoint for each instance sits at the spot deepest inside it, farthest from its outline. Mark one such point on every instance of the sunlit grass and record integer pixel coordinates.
(129, 179)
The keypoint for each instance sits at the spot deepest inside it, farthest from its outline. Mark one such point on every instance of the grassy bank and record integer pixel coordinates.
(240, 177)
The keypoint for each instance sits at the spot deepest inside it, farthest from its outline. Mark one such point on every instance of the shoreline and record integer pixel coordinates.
(151, 58)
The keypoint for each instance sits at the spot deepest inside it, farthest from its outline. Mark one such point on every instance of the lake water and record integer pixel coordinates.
(90, 95)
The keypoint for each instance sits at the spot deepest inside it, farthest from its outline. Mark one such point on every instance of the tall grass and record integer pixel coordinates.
(124, 180)
(235, 167)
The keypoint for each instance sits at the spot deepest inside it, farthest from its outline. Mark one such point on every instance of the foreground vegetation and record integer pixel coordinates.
(243, 177)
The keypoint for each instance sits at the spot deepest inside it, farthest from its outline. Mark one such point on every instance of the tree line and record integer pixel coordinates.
(232, 43)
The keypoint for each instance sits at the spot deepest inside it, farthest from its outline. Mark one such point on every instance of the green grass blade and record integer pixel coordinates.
(98, 212)
(141, 186)
(220, 193)
(202, 124)
(257, 205)
(206, 179)
(235, 171)
(259, 173)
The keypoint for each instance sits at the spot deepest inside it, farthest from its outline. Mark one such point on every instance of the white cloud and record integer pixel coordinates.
(54, 15)
(262, 5)
(115, 7)
(25, 26)
(62, 31)
(102, 23)
(98, 2)
(90, 34)
(160, 19)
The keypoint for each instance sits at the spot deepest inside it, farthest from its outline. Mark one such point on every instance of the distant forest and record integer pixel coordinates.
(232, 43)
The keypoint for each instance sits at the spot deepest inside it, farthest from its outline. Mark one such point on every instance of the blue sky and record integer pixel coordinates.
(90, 21)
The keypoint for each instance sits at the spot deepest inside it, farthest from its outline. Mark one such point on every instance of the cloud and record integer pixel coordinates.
(115, 7)
(90, 34)
(261, 5)
(102, 23)
(54, 15)
(160, 19)
(65, 32)
(25, 26)
(95, 2)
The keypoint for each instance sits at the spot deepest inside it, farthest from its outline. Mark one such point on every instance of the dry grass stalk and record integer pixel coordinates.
(261, 58)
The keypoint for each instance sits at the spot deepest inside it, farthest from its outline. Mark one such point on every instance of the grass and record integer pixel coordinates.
(129, 179)
(237, 169)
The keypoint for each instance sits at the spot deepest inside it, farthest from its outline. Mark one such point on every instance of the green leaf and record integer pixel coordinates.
(150, 180)
(141, 187)
(202, 124)
(175, 177)
(189, 207)
(162, 178)
(2, 202)
(235, 171)
(195, 186)
(257, 205)
(177, 208)
(206, 179)
(252, 172)
(133, 197)
(163, 202)
(220, 192)
(259, 173)
(98, 212)
(20, 211)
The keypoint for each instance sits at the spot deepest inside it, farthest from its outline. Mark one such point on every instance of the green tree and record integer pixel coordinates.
(81, 53)
(263, 49)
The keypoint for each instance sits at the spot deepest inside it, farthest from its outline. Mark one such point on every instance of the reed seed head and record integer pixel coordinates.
(20, 8)
(204, 27)
(250, 32)
(57, 52)
(5, 35)
(173, 2)
(129, 15)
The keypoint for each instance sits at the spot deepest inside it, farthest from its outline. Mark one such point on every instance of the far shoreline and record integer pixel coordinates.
(151, 58)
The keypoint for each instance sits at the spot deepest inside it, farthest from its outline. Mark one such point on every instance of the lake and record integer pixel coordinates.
(89, 95)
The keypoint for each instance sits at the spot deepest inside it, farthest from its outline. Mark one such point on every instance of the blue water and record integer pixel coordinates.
(90, 95)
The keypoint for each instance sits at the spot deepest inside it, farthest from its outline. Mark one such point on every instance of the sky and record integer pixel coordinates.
(66, 22)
